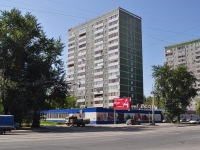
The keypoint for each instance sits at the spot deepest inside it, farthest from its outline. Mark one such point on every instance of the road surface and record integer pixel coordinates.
(121, 137)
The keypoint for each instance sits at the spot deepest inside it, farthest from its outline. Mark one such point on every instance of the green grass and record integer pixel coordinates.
(42, 122)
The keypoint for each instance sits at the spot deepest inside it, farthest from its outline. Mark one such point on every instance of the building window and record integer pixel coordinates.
(131, 69)
(130, 32)
(131, 56)
(131, 82)
(131, 50)
(131, 63)
(132, 95)
(131, 88)
(131, 75)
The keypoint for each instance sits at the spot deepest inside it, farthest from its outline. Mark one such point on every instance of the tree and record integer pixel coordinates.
(176, 87)
(157, 101)
(71, 102)
(198, 108)
(32, 61)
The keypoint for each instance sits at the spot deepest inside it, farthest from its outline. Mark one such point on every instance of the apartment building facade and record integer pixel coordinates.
(105, 58)
(185, 54)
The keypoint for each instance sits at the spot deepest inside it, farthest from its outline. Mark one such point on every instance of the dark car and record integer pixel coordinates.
(133, 122)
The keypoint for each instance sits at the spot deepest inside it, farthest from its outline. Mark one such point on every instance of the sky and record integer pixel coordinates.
(164, 22)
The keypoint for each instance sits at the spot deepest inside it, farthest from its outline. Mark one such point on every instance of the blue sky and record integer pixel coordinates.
(164, 22)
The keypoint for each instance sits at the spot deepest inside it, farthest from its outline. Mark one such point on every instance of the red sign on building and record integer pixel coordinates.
(122, 103)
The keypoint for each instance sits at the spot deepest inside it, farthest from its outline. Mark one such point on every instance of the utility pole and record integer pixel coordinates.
(153, 111)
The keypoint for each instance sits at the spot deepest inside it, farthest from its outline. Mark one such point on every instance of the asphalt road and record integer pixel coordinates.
(105, 138)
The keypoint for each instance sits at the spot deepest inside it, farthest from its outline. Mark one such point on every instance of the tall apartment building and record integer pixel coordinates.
(105, 56)
(185, 54)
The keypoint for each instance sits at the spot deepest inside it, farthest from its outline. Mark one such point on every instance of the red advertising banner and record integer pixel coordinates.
(122, 103)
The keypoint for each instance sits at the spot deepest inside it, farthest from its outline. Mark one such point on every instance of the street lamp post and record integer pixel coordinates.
(103, 84)
(153, 109)
(118, 77)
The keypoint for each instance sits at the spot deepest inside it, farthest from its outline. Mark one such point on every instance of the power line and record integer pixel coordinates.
(169, 31)
(47, 12)
(173, 36)
(85, 18)
(43, 7)
(72, 6)
(165, 18)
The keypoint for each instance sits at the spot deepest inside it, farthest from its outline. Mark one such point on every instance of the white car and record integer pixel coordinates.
(194, 121)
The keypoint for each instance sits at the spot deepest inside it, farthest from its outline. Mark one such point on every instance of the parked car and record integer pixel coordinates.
(194, 121)
(133, 122)
(184, 120)
(165, 120)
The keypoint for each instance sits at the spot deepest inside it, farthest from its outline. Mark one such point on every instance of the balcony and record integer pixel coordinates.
(82, 106)
(98, 99)
(71, 46)
(110, 104)
(182, 63)
(113, 38)
(112, 51)
(112, 97)
(98, 73)
(97, 31)
(70, 79)
(71, 36)
(98, 61)
(84, 42)
(70, 73)
(79, 71)
(82, 37)
(80, 100)
(70, 63)
(100, 42)
(197, 54)
(96, 55)
(98, 85)
(79, 77)
(113, 90)
(99, 79)
(82, 31)
(169, 62)
(100, 36)
(99, 92)
(99, 25)
(111, 20)
(98, 67)
(98, 105)
(113, 44)
(114, 25)
(82, 48)
(70, 57)
(113, 57)
(113, 64)
(70, 52)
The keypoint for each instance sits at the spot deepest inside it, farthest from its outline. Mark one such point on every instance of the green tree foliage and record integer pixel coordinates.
(198, 108)
(71, 102)
(157, 101)
(176, 87)
(32, 61)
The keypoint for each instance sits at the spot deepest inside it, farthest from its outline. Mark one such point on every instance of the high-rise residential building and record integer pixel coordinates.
(105, 57)
(185, 54)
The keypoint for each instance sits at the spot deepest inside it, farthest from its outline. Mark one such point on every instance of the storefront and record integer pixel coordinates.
(102, 115)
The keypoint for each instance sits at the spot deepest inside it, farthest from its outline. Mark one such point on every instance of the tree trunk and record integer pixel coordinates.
(36, 120)
(179, 118)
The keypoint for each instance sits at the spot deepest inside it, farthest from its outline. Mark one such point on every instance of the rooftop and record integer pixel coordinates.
(119, 8)
(183, 43)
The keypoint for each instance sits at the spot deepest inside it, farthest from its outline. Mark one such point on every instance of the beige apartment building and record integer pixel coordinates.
(185, 54)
